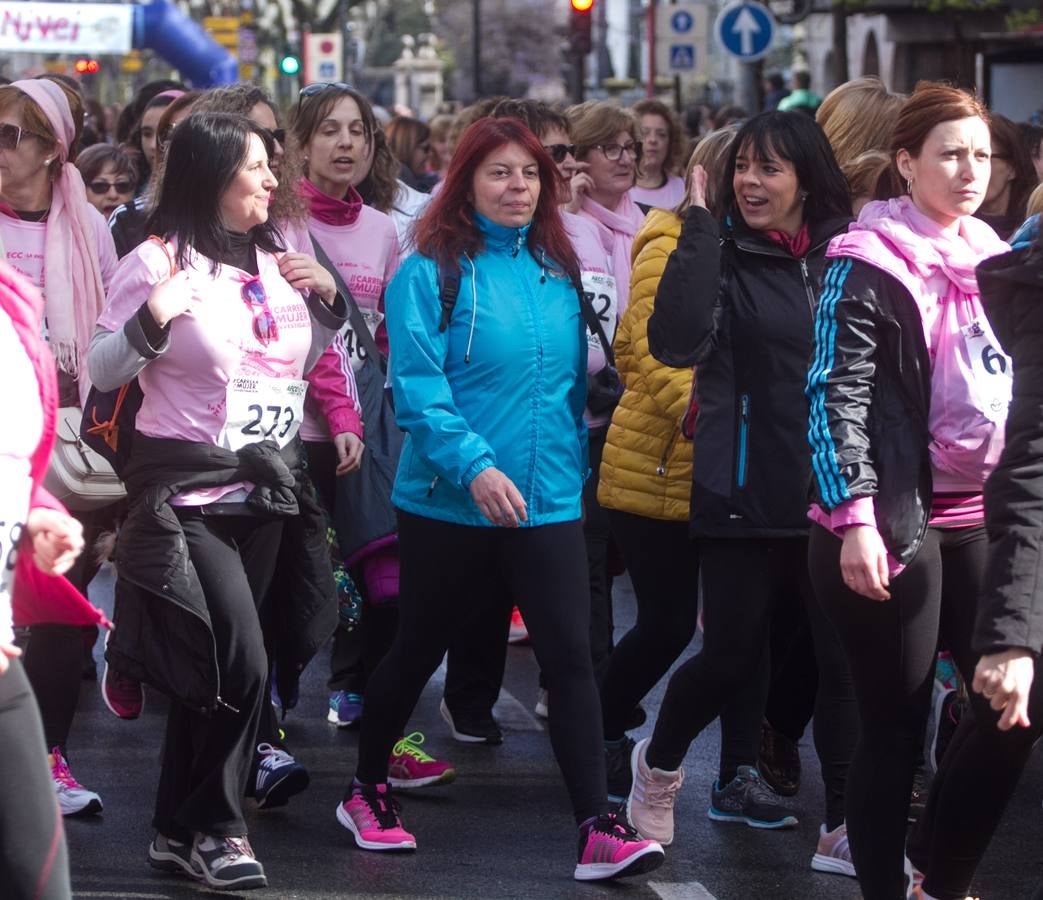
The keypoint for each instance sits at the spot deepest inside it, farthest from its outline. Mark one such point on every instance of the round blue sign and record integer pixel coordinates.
(745, 30)
(682, 21)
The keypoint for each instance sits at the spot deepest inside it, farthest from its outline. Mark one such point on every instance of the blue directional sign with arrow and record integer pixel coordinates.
(745, 30)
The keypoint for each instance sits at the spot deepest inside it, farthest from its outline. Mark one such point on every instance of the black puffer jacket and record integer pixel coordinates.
(1010, 612)
(869, 394)
(740, 308)
(163, 635)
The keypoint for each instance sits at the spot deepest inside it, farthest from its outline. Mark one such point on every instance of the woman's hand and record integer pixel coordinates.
(498, 499)
(1005, 679)
(7, 651)
(349, 452)
(57, 540)
(697, 187)
(863, 562)
(305, 274)
(170, 298)
(579, 185)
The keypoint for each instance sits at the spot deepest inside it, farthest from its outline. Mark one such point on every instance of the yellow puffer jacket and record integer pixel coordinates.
(647, 465)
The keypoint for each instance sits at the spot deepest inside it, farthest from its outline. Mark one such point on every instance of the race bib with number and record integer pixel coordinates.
(262, 409)
(992, 368)
(356, 350)
(599, 288)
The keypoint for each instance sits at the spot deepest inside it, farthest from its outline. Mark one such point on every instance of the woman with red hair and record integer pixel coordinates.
(490, 391)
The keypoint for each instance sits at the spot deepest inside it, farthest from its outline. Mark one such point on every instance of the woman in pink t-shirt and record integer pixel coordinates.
(220, 349)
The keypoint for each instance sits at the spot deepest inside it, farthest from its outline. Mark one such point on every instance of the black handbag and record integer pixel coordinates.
(363, 512)
(604, 388)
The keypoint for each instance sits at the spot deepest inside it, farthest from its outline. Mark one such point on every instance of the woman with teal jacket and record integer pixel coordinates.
(490, 394)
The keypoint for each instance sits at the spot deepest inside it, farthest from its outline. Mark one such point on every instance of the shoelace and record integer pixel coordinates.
(384, 807)
(656, 794)
(233, 849)
(758, 790)
(60, 770)
(410, 746)
(274, 757)
(615, 825)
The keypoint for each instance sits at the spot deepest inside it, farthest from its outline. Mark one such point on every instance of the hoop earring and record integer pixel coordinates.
(909, 186)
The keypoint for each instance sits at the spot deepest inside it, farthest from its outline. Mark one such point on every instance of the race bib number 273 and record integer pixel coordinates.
(262, 409)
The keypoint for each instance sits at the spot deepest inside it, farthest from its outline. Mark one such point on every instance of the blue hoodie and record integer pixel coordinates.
(504, 385)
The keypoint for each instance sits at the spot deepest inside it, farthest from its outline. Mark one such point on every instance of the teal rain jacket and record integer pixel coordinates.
(504, 385)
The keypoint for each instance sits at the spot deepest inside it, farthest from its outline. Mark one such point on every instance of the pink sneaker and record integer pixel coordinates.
(411, 767)
(518, 634)
(370, 813)
(123, 696)
(609, 848)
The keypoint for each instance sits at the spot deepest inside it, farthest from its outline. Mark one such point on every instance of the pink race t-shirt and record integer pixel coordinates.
(193, 390)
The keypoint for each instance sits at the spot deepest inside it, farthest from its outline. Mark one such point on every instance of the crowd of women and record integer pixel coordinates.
(416, 387)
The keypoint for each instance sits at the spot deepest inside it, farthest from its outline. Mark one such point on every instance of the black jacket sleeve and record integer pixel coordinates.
(683, 325)
(1010, 612)
(840, 383)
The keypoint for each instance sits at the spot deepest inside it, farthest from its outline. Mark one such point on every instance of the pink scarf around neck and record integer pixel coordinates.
(329, 210)
(73, 288)
(616, 230)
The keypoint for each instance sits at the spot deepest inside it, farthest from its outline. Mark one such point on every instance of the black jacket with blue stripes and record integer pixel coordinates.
(869, 391)
(738, 307)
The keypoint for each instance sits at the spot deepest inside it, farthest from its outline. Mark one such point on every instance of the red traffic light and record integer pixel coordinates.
(86, 66)
(582, 5)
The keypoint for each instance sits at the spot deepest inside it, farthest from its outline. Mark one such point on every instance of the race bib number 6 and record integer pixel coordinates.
(262, 409)
(992, 368)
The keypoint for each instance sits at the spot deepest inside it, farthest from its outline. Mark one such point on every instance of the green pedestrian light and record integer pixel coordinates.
(289, 65)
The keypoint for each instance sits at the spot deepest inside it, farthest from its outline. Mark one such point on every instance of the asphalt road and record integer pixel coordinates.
(503, 830)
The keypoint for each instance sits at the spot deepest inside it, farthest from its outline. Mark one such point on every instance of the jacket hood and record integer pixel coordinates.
(1001, 277)
(658, 223)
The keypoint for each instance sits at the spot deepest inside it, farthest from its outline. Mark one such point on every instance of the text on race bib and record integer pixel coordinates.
(992, 368)
(262, 409)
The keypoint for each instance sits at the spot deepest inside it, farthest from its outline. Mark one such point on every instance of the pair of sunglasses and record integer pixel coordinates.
(103, 187)
(264, 325)
(558, 152)
(278, 135)
(319, 86)
(11, 135)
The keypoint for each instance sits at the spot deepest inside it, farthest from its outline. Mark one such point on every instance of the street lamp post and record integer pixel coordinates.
(476, 46)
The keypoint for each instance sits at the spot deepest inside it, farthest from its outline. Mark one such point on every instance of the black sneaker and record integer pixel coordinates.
(472, 728)
(746, 798)
(227, 863)
(619, 775)
(279, 777)
(779, 763)
(169, 855)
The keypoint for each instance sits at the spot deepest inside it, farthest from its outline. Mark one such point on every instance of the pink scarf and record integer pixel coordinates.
(616, 230)
(329, 210)
(74, 293)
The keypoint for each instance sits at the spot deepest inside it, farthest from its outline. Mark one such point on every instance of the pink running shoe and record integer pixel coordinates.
(124, 696)
(610, 848)
(370, 813)
(518, 634)
(411, 767)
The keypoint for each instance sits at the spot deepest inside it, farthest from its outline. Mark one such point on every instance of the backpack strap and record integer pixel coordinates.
(448, 289)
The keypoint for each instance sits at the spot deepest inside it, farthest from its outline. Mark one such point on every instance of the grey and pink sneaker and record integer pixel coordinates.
(124, 696)
(411, 767)
(371, 814)
(609, 847)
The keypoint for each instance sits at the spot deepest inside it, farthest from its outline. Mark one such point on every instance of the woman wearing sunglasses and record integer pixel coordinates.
(110, 174)
(55, 238)
(220, 348)
(608, 149)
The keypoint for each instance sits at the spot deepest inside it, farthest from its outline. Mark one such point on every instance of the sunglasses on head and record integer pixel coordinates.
(558, 152)
(11, 135)
(319, 86)
(101, 186)
(265, 328)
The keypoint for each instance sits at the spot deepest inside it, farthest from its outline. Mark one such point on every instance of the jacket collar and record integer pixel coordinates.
(747, 238)
(500, 237)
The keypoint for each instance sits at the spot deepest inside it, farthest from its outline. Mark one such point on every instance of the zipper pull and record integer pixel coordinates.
(517, 244)
(431, 489)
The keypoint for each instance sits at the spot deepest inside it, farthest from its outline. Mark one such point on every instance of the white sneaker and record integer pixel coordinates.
(227, 863)
(542, 698)
(650, 806)
(833, 853)
(73, 798)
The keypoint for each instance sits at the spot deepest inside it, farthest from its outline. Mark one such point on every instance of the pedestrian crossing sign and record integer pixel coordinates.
(682, 57)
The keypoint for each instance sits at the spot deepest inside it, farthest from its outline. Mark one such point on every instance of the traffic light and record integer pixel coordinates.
(86, 66)
(580, 13)
(290, 64)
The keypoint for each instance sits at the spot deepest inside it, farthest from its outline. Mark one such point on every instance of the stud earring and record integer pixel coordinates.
(803, 196)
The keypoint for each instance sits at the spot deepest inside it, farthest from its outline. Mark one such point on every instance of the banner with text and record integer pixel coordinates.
(92, 28)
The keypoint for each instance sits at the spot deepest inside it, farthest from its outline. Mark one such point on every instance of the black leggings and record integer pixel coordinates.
(34, 861)
(891, 647)
(663, 563)
(745, 584)
(207, 759)
(445, 573)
